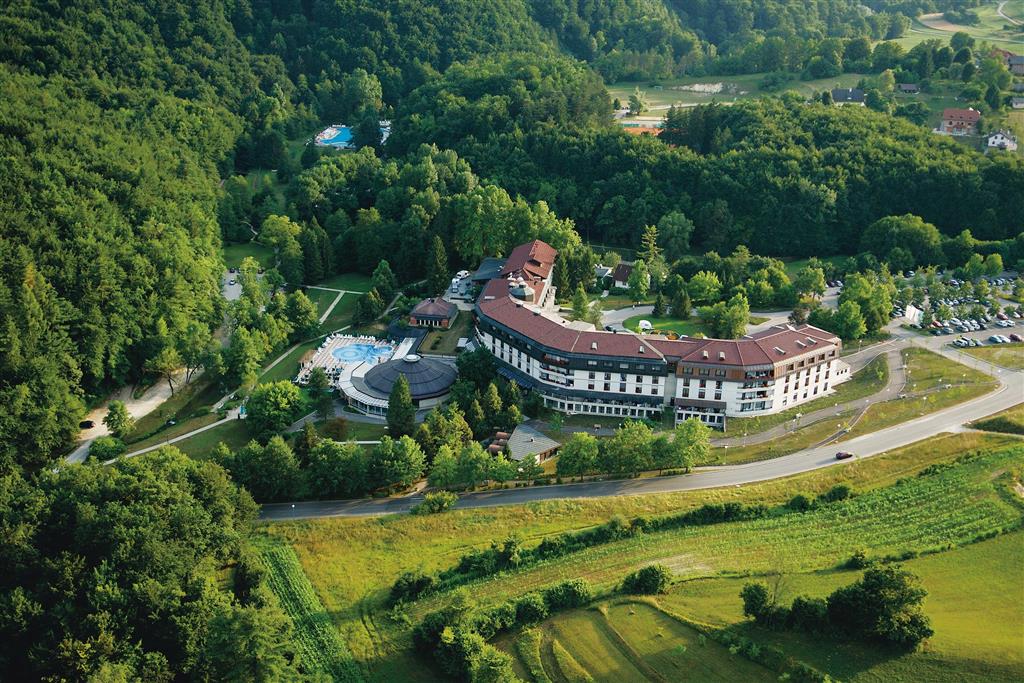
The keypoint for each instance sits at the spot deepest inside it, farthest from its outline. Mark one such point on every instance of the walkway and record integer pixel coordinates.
(1000, 12)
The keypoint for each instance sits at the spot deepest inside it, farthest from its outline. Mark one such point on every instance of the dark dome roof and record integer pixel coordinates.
(427, 377)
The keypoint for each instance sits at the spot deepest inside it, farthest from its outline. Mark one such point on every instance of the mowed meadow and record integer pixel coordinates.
(351, 563)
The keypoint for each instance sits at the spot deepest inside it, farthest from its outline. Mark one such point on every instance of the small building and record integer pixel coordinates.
(620, 275)
(1002, 139)
(1017, 87)
(844, 96)
(526, 441)
(1016, 65)
(959, 121)
(433, 313)
(1017, 102)
(601, 272)
(908, 88)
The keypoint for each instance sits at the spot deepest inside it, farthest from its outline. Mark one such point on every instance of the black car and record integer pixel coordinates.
(844, 455)
(86, 424)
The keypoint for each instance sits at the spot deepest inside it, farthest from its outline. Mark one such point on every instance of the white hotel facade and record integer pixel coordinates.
(580, 370)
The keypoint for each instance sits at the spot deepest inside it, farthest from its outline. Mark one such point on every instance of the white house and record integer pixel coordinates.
(1002, 139)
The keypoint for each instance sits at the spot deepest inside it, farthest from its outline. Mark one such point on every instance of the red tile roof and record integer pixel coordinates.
(961, 115)
(622, 272)
(533, 259)
(773, 345)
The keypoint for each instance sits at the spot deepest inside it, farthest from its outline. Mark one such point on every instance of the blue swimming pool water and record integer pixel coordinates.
(341, 139)
(361, 352)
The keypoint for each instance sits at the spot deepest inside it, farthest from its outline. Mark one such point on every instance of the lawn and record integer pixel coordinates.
(341, 315)
(1007, 355)
(352, 562)
(189, 407)
(871, 379)
(234, 433)
(808, 436)
(974, 598)
(322, 298)
(353, 282)
(688, 328)
(663, 94)
(288, 368)
(446, 341)
(234, 253)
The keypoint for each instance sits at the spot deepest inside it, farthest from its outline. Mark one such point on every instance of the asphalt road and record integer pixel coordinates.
(1009, 393)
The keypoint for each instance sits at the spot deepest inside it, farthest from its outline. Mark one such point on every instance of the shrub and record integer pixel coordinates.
(568, 594)
(836, 493)
(807, 614)
(410, 586)
(336, 428)
(858, 560)
(531, 608)
(435, 502)
(107, 448)
(648, 580)
(799, 503)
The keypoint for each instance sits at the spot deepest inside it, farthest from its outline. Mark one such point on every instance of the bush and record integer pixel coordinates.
(336, 428)
(107, 448)
(568, 594)
(410, 586)
(807, 614)
(648, 580)
(835, 494)
(799, 503)
(531, 608)
(435, 502)
(858, 560)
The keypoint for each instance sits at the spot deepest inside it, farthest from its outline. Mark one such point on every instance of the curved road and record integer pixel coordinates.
(1009, 393)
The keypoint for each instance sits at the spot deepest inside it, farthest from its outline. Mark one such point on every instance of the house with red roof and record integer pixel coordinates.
(960, 121)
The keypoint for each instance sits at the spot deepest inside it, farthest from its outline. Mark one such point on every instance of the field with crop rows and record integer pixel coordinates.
(320, 645)
(918, 514)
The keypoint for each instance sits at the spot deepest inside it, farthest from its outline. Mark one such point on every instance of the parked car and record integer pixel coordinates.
(844, 455)
(1016, 338)
(86, 424)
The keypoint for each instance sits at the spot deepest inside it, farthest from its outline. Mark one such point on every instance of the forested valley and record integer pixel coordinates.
(127, 130)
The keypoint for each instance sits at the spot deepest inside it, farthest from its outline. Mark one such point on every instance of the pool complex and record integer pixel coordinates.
(362, 353)
(340, 136)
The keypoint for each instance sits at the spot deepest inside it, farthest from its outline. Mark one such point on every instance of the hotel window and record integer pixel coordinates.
(591, 362)
(718, 385)
(639, 389)
(719, 373)
(607, 386)
(639, 378)
(590, 375)
(622, 377)
(700, 394)
(590, 386)
(607, 376)
(704, 372)
(622, 387)
(656, 380)
(718, 394)
(654, 390)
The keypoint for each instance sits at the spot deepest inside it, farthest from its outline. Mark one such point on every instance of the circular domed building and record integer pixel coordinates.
(430, 381)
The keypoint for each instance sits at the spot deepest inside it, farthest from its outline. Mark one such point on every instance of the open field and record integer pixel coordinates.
(663, 94)
(234, 433)
(989, 28)
(341, 315)
(352, 562)
(974, 598)
(235, 253)
(1007, 355)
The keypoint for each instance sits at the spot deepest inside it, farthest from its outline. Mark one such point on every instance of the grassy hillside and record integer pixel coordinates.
(352, 562)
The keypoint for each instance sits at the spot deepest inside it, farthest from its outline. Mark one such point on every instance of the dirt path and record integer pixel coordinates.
(137, 407)
(938, 22)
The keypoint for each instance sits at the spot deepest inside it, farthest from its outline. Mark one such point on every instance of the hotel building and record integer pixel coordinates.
(580, 370)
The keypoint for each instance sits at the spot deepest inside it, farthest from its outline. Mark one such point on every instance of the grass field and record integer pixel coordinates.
(989, 29)
(974, 598)
(352, 282)
(234, 433)
(627, 640)
(234, 253)
(1007, 355)
(352, 562)
(664, 94)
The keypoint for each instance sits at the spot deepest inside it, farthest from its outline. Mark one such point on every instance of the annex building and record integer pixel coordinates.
(578, 369)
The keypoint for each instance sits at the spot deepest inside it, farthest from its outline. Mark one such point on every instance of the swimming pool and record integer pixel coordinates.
(340, 136)
(362, 353)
